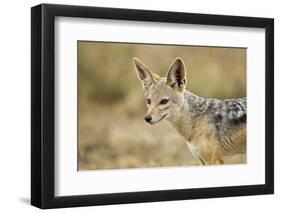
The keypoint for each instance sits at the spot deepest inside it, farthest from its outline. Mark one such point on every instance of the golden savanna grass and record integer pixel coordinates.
(112, 132)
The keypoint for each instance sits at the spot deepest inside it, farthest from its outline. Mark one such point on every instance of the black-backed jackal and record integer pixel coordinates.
(212, 128)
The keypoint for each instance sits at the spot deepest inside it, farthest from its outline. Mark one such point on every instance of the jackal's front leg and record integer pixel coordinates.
(207, 152)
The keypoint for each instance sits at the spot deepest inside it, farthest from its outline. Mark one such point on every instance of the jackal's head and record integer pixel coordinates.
(164, 96)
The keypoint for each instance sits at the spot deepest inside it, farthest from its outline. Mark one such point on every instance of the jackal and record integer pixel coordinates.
(212, 128)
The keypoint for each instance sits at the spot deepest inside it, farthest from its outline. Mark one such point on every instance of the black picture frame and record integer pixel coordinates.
(43, 102)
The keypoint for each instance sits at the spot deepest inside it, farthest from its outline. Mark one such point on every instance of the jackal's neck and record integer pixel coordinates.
(222, 113)
(184, 120)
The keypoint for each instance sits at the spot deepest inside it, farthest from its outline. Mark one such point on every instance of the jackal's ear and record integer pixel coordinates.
(176, 75)
(144, 74)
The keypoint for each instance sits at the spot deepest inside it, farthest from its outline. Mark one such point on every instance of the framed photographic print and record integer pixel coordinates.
(139, 106)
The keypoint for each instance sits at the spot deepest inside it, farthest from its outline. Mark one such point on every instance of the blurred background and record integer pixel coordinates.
(112, 131)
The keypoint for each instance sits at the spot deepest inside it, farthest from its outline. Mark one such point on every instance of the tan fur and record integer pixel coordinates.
(199, 132)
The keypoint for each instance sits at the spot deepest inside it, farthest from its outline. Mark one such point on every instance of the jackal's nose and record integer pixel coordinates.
(148, 118)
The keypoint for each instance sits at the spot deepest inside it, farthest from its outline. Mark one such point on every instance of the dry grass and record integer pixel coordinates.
(112, 133)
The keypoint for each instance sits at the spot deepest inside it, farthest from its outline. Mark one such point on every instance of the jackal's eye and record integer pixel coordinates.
(164, 101)
(148, 101)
